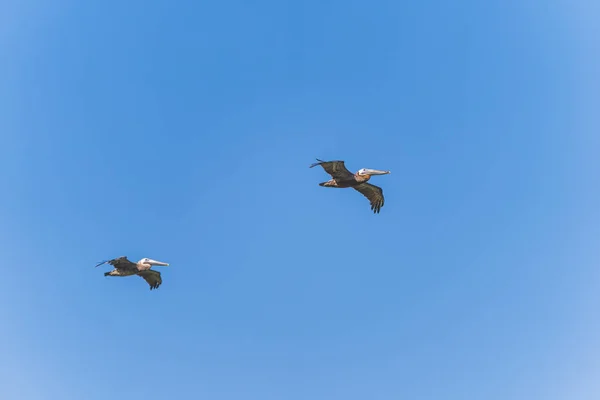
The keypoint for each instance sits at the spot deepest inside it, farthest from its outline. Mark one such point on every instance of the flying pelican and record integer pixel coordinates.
(342, 178)
(124, 267)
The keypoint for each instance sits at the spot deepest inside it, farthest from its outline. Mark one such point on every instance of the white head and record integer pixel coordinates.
(151, 262)
(368, 171)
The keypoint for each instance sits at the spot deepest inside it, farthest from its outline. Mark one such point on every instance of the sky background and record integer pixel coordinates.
(183, 131)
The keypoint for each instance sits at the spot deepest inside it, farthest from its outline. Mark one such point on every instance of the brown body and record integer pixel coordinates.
(346, 183)
(342, 178)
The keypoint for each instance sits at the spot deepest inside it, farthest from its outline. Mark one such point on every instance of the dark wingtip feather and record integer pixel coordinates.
(317, 163)
(376, 207)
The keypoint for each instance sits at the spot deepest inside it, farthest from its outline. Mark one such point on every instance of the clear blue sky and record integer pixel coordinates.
(183, 131)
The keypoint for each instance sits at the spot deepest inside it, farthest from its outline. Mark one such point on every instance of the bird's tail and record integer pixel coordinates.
(330, 183)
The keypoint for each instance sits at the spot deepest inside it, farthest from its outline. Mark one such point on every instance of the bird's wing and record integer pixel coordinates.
(119, 263)
(152, 277)
(337, 169)
(373, 193)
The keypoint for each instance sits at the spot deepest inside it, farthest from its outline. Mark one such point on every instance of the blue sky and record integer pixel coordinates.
(184, 133)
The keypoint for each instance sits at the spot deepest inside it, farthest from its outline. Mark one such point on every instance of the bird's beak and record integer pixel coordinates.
(375, 172)
(159, 263)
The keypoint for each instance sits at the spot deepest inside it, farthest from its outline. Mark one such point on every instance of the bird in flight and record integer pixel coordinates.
(124, 267)
(342, 178)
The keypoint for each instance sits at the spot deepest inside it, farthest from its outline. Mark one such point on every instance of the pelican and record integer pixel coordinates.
(342, 178)
(124, 267)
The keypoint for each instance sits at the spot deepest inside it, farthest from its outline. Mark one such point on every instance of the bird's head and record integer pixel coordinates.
(370, 172)
(151, 262)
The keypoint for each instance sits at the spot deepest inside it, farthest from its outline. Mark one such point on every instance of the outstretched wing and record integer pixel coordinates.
(336, 169)
(373, 193)
(119, 263)
(152, 277)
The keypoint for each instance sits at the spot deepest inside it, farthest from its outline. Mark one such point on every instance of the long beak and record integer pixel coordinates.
(160, 263)
(375, 172)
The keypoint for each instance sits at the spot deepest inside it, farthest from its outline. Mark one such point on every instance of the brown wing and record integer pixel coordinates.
(152, 277)
(337, 169)
(119, 263)
(373, 193)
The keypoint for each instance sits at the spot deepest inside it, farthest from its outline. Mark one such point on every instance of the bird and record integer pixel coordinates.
(124, 267)
(342, 178)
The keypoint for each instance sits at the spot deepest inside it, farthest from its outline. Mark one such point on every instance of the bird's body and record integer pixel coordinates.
(346, 183)
(342, 178)
(124, 267)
